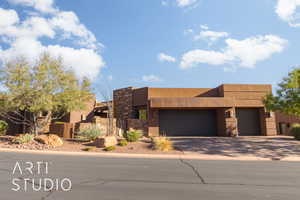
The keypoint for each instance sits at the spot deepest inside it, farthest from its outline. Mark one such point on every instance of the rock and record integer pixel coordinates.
(55, 141)
(107, 141)
(51, 140)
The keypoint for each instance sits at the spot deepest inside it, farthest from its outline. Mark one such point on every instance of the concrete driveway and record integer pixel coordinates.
(263, 147)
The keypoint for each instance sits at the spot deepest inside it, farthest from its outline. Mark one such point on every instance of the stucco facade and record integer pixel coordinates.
(224, 101)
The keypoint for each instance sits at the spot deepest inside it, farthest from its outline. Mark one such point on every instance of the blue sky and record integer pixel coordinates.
(170, 43)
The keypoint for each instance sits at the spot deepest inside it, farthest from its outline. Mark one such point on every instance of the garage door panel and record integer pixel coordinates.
(187, 122)
(248, 122)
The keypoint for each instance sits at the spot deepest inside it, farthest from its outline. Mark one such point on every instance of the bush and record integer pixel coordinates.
(295, 131)
(3, 127)
(23, 139)
(133, 135)
(110, 148)
(162, 144)
(123, 142)
(90, 133)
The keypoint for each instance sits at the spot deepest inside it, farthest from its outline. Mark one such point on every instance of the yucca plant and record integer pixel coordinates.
(23, 139)
(133, 135)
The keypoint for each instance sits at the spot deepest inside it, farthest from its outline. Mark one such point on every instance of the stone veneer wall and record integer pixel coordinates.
(138, 124)
(226, 122)
(123, 107)
(153, 122)
(231, 124)
(268, 123)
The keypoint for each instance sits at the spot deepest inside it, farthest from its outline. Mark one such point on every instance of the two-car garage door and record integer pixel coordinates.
(204, 122)
(188, 122)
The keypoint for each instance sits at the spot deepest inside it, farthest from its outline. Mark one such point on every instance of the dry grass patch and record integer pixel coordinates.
(110, 148)
(89, 149)
(162, 144)
(123, 143)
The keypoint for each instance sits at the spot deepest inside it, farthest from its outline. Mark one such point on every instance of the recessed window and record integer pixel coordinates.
(143, 114)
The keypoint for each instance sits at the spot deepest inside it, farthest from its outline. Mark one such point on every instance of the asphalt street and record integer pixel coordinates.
(104, 178)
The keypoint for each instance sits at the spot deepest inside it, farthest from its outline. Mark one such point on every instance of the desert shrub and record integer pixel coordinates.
(3, 127)
(133, 135)
(123, 142)
(110, 148)
(88, 149)
(23, 139)
(90, 133)
(162, 144)
(295, 131)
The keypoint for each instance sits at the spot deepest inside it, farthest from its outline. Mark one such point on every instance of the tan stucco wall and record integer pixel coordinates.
(75, 116)
(234, 96)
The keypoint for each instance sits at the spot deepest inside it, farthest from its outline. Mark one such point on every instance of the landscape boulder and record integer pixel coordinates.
(107, 141)
(51, 140)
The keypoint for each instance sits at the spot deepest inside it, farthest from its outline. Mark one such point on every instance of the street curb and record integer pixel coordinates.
(150, 156)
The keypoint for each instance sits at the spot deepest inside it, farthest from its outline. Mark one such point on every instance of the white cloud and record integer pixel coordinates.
(210, 36)
(85, 62)
(33, 27)
(44, 6)
(151, 78)
(204, 27)
(243, 53)
(23, 37)
(8, 17)
(28, 47)
(162, 57)
(69, 23)
(193, 57)
(185, 3)
(287, 11)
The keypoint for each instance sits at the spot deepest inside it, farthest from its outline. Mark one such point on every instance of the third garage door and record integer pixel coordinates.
(248, 121)
(188, 122)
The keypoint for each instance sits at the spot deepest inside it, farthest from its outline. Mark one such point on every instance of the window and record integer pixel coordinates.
(143, 114)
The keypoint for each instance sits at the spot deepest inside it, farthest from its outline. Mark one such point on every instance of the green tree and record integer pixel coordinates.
(287, 99)
(36, 94)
